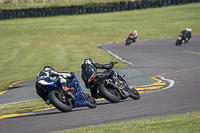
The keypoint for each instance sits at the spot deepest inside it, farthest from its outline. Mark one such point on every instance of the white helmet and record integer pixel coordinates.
(88, 61)
(186, 29)
(135, 31)
(48, 68)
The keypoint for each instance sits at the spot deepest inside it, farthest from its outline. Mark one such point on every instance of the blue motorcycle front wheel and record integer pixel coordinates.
(91, 102)
(64, 105)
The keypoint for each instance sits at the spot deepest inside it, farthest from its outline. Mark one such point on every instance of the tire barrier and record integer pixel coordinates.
(75, 10)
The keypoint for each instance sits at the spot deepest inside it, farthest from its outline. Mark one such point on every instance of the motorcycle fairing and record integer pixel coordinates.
(48, 84)
(180, 37)
(79, 98)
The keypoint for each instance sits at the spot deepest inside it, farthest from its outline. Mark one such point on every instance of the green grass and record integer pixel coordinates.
(184, 123)
(22, 107)
(65, 41)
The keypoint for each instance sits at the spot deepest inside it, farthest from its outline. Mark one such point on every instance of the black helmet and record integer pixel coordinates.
(48, 68)
(88, 61)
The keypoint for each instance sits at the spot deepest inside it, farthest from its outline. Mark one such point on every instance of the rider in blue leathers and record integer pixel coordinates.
(48, 73)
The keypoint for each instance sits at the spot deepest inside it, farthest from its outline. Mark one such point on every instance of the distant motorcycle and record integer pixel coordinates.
(179, 41)
(182, 39)
(114, 95)
(130, 39)
(66, 102)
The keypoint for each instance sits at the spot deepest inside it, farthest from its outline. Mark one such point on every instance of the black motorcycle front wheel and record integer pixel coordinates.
(134, 94)
(109, 94)
(178, 43)
(64, 105)
(127, 42)
(91, 102)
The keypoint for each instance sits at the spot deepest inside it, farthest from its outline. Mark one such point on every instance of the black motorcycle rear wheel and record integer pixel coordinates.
(58, 102)
(109, 94)
(91, 102)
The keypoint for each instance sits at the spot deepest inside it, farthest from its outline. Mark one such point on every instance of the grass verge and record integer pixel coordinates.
(22, 107)
(184, 123)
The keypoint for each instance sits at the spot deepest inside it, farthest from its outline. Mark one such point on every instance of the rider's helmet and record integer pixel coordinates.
(48, 68)
(135, 31)
(88, 61)
(186, 29)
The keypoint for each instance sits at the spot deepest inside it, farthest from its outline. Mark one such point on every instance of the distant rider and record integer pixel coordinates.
(89, 70)
(49, 74)
(134, 35)
(189, 33)
(186, 34)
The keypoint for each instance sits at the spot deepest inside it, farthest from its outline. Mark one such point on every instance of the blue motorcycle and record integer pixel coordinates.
(65, 102)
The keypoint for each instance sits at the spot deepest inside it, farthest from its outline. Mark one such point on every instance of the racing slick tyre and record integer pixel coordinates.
(127, 42)
(134, 94)
(64, 105)
(91, 103)
(109, 94)
(178, 42)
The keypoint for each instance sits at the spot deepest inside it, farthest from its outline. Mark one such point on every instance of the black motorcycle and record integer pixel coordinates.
(111, 91)
(130, 39)
(179, 41)
(182, 39)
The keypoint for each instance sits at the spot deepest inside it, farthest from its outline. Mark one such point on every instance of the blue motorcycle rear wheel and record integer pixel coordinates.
(64, 105)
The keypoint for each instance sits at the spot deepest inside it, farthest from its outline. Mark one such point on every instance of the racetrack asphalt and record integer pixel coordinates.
(150, 59)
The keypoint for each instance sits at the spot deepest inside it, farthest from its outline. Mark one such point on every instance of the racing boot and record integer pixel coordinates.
(64, 87)
(67, 90)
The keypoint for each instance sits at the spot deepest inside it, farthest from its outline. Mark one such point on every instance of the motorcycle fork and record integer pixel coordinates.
(120, 91)
(62, 96)
(124, 85)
